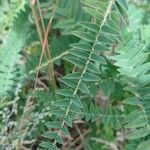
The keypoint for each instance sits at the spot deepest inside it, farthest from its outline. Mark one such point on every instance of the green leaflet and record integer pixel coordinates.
(68, 82)
(105, 39)
(54, 124)
(74, 108)
(65, 23)
(93, 110)
(99, 47)
(50, 135)
(132, 115)
(58, 113)
(142, 132)
(62, 103)
(93, 13)
(48, 145)
(82, 46)
(132, 101)
(77, 102)
(108, 29)
(83, 87)
(65, 92)
(77, 62)
(91, 67)
(136, 123)
(97, 58)
(65, 131)
(123, 4)
(74, 76)
(90, 26)
(68, 121)
(90, 112)
(53, 135)
(90, 77)
(144, 145)
(85, 36)
(132, 144)
(144, 80)
(80, 53)
(142, 69)
(96, 4)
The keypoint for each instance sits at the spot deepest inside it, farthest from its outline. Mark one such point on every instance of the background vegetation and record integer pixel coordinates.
(74, 74)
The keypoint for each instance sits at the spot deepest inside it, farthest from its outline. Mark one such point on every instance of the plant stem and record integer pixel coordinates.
(50, 66)
(44, 44)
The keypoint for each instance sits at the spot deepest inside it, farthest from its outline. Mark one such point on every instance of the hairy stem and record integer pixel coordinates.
(49, 62)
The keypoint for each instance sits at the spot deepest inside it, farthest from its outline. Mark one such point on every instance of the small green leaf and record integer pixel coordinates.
(50, 135)
(48, 145)
(90, 77)
(98, 58)
(96, 4)
(123, 4)
(132, 101)
(93, 13)
(77, 102)
(62, 103)
(79, 53)
(59, 113)
(54, 124)
(73, 76)
(93, 112)
(145, 145)
(65, 131)
(132, 115)
(65, 92)
(110, 30)
(90, 26)
(68, 82)
(77, 62)
(68, 121)
(139, 133)
(85, 36)
(104, 38)
(53, 135)
(65, 24)
(99, 47)
(91, 67)
(75, 108)
(82, 46)
(60, 140)
(137, 122)
(83, 88)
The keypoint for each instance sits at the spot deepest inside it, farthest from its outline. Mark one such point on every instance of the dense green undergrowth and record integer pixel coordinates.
(74, 74)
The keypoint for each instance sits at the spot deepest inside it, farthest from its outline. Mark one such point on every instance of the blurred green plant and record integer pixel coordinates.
(98, 56)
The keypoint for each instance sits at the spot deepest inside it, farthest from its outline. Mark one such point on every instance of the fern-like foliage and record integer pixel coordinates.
(96, 36)
(132, 145)
(134, 67)
(10, 56)
(8, 11)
